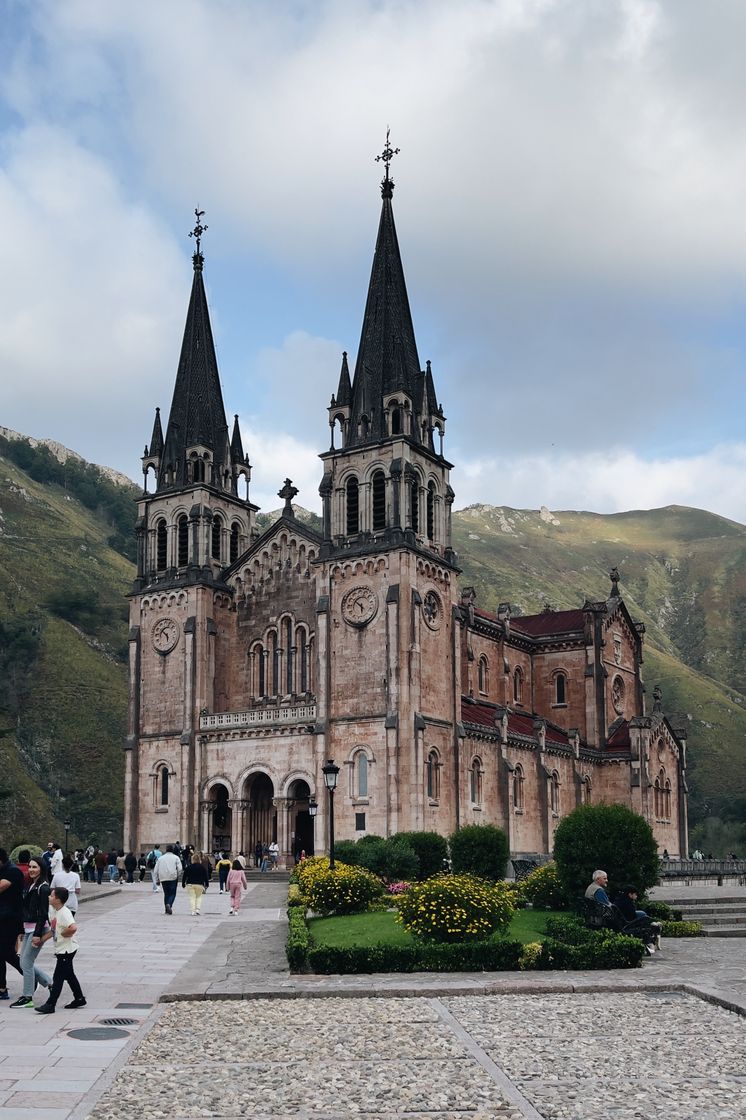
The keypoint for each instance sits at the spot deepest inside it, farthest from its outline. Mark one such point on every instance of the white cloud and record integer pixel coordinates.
(607, 483)
(275, 456)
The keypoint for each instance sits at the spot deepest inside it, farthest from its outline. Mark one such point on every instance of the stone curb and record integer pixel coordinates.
(108, 893)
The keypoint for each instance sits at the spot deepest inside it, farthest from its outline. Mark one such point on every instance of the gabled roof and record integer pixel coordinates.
(619, 738)
(285, 521)
(519, 723)
(197, 415)
(549, 623)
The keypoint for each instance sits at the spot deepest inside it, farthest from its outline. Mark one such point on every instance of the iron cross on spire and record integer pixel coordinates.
(386, 157)
(199, 229)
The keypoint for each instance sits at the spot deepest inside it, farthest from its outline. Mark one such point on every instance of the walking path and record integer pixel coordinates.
(132, 956)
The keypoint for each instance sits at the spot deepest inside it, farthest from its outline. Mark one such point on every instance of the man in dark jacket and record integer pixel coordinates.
(11, 918)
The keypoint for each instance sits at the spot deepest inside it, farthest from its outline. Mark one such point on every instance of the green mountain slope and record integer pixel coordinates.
(63, 638)
(66, 544)
(683, 573)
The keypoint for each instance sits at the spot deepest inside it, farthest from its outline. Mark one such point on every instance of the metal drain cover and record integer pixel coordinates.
(97, 1034)
(120, 1022)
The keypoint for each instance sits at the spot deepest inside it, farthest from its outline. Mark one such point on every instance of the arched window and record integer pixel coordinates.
(484, 674)
(161, 546)
(198, 468)
(361, 774)
(163, 785)
(476, 782)
(396, 421)
(274, 654)
(518, 788)
(518, 685)
(182, 539)
(261, 670)
(301, 645)
(431, 511)
(235, 536)
(560, 689)
(414, 490)
(585, 791)
(353, 506)
(217, 536)
(287, 633)
(554, 792)
(433, 776)
(379, 501)
(667, 796)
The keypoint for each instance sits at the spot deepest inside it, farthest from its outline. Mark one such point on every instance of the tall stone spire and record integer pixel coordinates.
(387, 359)
(197, 417)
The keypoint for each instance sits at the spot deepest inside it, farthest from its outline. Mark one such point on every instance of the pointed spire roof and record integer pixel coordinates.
(197, 415)
(387, 360)
(237, 455)
(344, 389)
(156, 440)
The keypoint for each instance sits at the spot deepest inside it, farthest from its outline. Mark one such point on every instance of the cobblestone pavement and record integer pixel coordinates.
(558, 1057)
(383, 1056)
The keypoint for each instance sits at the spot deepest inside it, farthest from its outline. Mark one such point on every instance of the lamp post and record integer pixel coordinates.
(67, 827)
(313, 809)
(331, 773)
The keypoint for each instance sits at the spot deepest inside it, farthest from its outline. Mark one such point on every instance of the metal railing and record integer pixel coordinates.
(689, 869)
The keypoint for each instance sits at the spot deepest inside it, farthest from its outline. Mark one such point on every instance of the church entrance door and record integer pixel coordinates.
(300, 820)
(261, 817)
(222, 819)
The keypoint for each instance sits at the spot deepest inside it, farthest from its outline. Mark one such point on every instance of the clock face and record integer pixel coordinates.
(165, 635)
(359, 606)
(432, 612)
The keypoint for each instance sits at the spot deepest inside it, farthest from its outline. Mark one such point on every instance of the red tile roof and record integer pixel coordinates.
(620, 739)
(548, 623)
(519, 723)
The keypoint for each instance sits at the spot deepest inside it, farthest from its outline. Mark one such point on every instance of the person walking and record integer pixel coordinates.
(55, 859)
(167, 872)
(35, 925)
(66, 945)
(130, 866)
(111, 863)
(71, 881)
(11, 918)
(258, 855)
(223, 867)
(196, 882)
(242, 860)
(142, 866)
(274, 854)
(121, 867)
(152, 858)
(100, 863)
(236, 885)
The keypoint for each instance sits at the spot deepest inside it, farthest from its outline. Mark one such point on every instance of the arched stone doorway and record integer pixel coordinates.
(300, 822)
(221, 816)
(261, 814)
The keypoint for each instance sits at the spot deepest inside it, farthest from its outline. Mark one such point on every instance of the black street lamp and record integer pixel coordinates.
(331, 773)
(67, 826)
(313, 809)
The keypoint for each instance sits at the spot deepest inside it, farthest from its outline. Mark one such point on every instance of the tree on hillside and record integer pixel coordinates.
(610, 837)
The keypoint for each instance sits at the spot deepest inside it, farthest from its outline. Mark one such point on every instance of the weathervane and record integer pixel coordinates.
(199, 229)
(386, 156)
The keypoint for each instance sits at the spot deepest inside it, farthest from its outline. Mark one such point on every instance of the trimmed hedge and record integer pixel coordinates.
(611, 837)
(682, 929)
(476, 956)
(430, 848)
(298, 939)
(295, 898)
(480, 849)
(660, 911)
(570, 944)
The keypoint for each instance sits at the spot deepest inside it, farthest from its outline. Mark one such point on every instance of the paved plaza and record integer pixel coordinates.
(240, 1037)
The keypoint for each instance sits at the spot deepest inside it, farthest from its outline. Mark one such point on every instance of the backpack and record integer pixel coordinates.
(150, 861)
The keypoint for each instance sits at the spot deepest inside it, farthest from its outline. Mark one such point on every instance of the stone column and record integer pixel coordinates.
(205, 832)
(283, 806)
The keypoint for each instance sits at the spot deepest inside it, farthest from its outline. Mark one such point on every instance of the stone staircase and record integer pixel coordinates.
(720, 917)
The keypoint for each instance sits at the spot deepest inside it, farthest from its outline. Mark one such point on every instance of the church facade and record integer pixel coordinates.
(255, 657)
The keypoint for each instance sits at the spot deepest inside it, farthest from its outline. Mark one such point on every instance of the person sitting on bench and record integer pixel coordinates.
(638, 922)
(596, 891)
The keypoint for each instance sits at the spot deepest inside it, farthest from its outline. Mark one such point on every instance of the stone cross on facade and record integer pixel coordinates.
(288, 492)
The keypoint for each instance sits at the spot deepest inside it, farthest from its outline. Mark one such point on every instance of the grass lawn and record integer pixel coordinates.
(381, 928)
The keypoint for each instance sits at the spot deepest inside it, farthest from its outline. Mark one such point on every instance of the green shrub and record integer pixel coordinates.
(430, 848)
(345, 890)
(494, 956)
(543, 889)
(517, 893)
(480, 849)
(660, 911)
(295, 898)
(681, 929)
(568, 929)
(611, 837)
(32, 849)
(347, 851)
(531, 956)
(298, 939)
(602, 950)
(455, 908)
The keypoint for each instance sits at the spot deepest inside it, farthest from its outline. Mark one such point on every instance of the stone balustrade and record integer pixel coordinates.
(279, 716)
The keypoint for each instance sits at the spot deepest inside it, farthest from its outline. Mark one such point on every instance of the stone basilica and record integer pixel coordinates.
(255, 657)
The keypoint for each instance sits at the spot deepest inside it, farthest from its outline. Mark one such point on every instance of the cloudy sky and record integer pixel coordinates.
(570, 202)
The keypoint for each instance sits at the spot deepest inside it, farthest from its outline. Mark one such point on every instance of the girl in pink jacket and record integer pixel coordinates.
(236, 885)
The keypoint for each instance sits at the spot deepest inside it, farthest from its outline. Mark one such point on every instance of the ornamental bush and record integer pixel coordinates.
(455, 908)
(298, 939)
(611, 837)
(420, 956)
(543, 889)
(681, 929)
(345, 890)
(480, 849)
(32, 849)
(430, 848)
